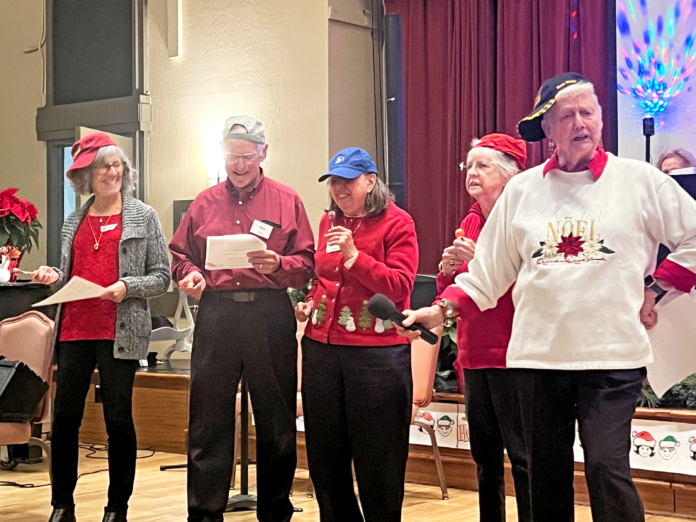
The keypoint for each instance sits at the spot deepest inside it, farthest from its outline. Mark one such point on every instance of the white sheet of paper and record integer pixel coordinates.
(75, 290)
(230, 252)
(674, 343)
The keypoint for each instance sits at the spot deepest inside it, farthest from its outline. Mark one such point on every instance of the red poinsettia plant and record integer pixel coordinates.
(18, 224)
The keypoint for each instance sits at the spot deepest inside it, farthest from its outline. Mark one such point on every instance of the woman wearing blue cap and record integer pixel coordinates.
(356, 370)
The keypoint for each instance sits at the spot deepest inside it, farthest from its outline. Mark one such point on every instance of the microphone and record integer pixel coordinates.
(381, 307)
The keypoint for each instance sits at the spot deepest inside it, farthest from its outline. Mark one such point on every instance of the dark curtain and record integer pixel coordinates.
(472, 67)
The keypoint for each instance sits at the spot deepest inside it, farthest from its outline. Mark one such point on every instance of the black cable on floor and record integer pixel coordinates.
(93, 448)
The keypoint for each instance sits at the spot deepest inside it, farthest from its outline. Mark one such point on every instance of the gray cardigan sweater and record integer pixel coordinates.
(143, 266)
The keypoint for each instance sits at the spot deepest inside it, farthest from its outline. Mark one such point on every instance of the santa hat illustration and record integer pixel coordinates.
(445, 420)
(669, 442)
(643, 438)
(425, 415)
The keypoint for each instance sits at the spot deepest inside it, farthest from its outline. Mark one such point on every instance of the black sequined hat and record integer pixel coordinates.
(530, 126)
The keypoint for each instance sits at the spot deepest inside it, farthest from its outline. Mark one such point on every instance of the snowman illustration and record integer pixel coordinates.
(644, 444)
(668, 447)
(379, 325)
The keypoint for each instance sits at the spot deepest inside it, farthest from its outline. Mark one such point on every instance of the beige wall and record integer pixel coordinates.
(23, 158)
(265, 58)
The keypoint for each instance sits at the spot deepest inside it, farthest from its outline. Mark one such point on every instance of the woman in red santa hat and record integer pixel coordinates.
(482, 339)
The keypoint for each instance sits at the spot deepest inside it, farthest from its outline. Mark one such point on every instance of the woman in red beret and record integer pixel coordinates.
(482, 339)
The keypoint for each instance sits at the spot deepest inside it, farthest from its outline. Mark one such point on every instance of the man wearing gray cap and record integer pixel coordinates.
(245, 322)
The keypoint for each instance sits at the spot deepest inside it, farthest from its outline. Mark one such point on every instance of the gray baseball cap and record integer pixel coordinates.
(254, 129)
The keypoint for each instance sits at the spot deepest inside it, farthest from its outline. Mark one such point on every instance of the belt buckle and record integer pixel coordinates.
(243, 297)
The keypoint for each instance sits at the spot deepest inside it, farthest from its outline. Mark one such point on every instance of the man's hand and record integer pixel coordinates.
(342, 238)
(303, 310)
(264, 261)
(648, 315)
(193, 284)
(115, 292)
(45, 275)
(430, 317)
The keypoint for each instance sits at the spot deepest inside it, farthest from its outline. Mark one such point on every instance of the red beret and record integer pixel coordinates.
(85, 150)
(507, 144)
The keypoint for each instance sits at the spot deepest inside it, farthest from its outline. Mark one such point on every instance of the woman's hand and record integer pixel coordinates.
(430, 317)
(342, 238)
(461, 250)
(115, 292)
(193, 284)
(45, 275)
(303, 310)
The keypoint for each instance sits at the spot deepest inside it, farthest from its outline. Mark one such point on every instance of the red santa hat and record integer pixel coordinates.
(425, 415)
(643, 438)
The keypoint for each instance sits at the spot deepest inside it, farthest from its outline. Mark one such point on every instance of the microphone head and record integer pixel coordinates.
(381, 307)
(331, 215)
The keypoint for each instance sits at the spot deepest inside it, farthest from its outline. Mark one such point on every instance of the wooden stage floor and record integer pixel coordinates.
(161, 496)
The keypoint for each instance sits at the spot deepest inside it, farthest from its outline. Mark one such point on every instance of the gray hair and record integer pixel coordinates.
(683, 155)
(506, 163)
(375, 203)
(81, 179)
(574, 90)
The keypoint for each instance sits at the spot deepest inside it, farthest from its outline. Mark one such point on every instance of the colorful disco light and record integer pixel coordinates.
(654, 67)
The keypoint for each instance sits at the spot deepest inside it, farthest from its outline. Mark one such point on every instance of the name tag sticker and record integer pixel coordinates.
(261, 229)
(107, 228)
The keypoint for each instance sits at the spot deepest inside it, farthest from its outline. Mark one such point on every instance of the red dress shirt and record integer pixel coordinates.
(482, 337)
(91, 319)
(386, 264)
(222, 210)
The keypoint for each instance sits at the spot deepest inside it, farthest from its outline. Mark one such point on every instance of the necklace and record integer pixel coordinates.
(351, 223)
(96, 241)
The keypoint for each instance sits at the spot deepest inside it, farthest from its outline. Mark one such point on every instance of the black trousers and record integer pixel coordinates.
(495, 425)
(603, 403)
(76, 362)
(357, 403)
(259, 339)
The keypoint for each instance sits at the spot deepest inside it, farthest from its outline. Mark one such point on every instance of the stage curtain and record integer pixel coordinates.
(472, 67)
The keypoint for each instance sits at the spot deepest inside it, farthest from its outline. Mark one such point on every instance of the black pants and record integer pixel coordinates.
(76, 362)
(357, 403)
(257, 338)
(495, 425)
(603, 403)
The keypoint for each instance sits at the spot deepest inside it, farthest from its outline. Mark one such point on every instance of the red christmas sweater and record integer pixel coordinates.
(386, 264)
(482, 337)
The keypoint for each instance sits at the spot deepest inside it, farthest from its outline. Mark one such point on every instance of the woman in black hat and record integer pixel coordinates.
(578, 235)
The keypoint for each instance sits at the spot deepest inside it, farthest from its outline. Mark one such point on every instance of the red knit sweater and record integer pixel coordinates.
(387, 264)
(482, 337)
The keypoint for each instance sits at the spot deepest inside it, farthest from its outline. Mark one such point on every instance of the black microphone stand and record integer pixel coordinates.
(648, 130)
(243, 501)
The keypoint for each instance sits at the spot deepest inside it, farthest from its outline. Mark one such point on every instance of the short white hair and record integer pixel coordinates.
(506, 163)
(81, 179)
(574, 90)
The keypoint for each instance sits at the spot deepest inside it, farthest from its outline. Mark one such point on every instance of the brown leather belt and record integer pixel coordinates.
(251, 296)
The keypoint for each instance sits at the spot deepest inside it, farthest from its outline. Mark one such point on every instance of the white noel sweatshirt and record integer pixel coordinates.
(579, 250)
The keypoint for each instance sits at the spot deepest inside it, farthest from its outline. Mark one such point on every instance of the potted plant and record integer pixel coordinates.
(19, 227)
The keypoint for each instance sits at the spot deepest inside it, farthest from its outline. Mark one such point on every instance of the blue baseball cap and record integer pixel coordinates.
(350, 163)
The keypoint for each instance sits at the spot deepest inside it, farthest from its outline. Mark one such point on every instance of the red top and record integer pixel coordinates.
(222, 210)
(387, 264)
(93, 318)
(482, 337)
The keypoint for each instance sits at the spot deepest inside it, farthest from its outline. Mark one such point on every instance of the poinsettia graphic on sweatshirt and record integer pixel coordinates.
(571, 241)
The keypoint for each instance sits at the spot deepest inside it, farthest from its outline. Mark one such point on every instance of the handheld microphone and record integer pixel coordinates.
(381, 307)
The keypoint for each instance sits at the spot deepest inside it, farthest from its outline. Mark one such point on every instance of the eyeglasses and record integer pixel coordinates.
(103, 169)
(247, 158)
